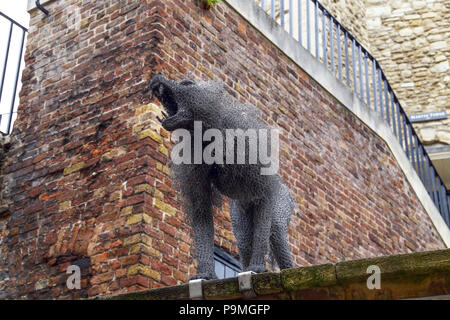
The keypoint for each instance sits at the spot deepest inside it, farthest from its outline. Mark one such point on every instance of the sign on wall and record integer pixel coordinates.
(429, 116)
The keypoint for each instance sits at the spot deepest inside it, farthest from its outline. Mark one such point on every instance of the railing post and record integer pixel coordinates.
(435, 187)
(331, 44)
(393, 109)
(448, 210)
(418, 165)
(380, 87)
(399, 122)
(355, 85)
(272, 9)
(299, 3)
(411, 145)
(386, 102)
(422, 166)
(308, 26)
(6, 60)
(324, 38)
(347, 67)
(338, 43)
(405, 136)
(374, 82)
(316, 28)
(366, 70)
(361, 88)
(291, 14)
(444, 212)
(430, 184)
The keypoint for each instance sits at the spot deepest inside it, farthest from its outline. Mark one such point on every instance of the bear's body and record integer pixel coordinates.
(260, 205)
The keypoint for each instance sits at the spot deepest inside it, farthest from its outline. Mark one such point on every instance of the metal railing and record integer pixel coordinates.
(321, 34)
(16, 31)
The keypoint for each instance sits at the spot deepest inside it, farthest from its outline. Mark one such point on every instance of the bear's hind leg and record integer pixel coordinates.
(280, 247)
(262, 220)
(279, 244)
(242, 222)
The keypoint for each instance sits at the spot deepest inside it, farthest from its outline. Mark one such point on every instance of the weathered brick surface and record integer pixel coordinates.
(87, 174)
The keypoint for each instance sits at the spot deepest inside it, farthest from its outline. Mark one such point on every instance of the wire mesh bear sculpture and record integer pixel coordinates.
(260, 205)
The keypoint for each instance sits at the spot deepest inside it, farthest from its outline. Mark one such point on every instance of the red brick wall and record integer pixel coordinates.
(87, 179)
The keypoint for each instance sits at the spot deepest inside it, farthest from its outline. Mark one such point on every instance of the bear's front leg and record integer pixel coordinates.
(202, 224)
(197, 192)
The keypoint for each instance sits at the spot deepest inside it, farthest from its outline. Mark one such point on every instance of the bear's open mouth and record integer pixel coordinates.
(168, 102)
(165, 96)
(162, 89)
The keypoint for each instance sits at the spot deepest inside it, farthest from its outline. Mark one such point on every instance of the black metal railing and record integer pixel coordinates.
(9, 79)
(319, 32)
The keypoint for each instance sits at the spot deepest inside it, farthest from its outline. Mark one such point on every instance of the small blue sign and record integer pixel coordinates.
(430, 116)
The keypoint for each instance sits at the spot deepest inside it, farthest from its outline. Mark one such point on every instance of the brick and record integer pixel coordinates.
(158, 194)
(74, 168)
(135, 249)
(150, 133)
(136, 218)
(163, 150)
(144, 188)
(151, 252)
(126, 211)
(104, 277)
(114, 153)
(64, 205)
(146, 271)
(164, 206)
(152, 108)
(117, 195)
(132, 240)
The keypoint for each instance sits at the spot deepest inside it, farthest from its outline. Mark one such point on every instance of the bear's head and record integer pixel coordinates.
(185, 101)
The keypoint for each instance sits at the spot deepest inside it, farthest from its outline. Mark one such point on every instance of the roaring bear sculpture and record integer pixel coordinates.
(260, 204)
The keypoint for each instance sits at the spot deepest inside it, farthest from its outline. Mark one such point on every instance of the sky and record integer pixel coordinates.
(17, 10)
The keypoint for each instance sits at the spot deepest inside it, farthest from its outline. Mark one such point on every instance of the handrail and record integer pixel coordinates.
(13, 21)
(23, 30)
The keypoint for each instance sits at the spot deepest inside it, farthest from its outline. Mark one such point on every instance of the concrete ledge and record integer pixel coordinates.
(406, 276)
(308, 277)
(180, 292)
(250, 11)
(32, 4)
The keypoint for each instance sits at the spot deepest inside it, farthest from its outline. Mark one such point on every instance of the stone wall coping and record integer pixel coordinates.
(404, 276)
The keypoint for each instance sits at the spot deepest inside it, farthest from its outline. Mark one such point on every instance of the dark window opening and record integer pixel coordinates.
(225, 265)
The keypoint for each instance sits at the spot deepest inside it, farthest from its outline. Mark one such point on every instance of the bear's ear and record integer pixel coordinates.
(186, 82)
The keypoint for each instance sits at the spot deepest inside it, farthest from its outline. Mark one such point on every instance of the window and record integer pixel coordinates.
(225, 265)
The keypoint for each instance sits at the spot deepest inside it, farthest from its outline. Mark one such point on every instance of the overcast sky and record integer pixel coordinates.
(17, 10)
